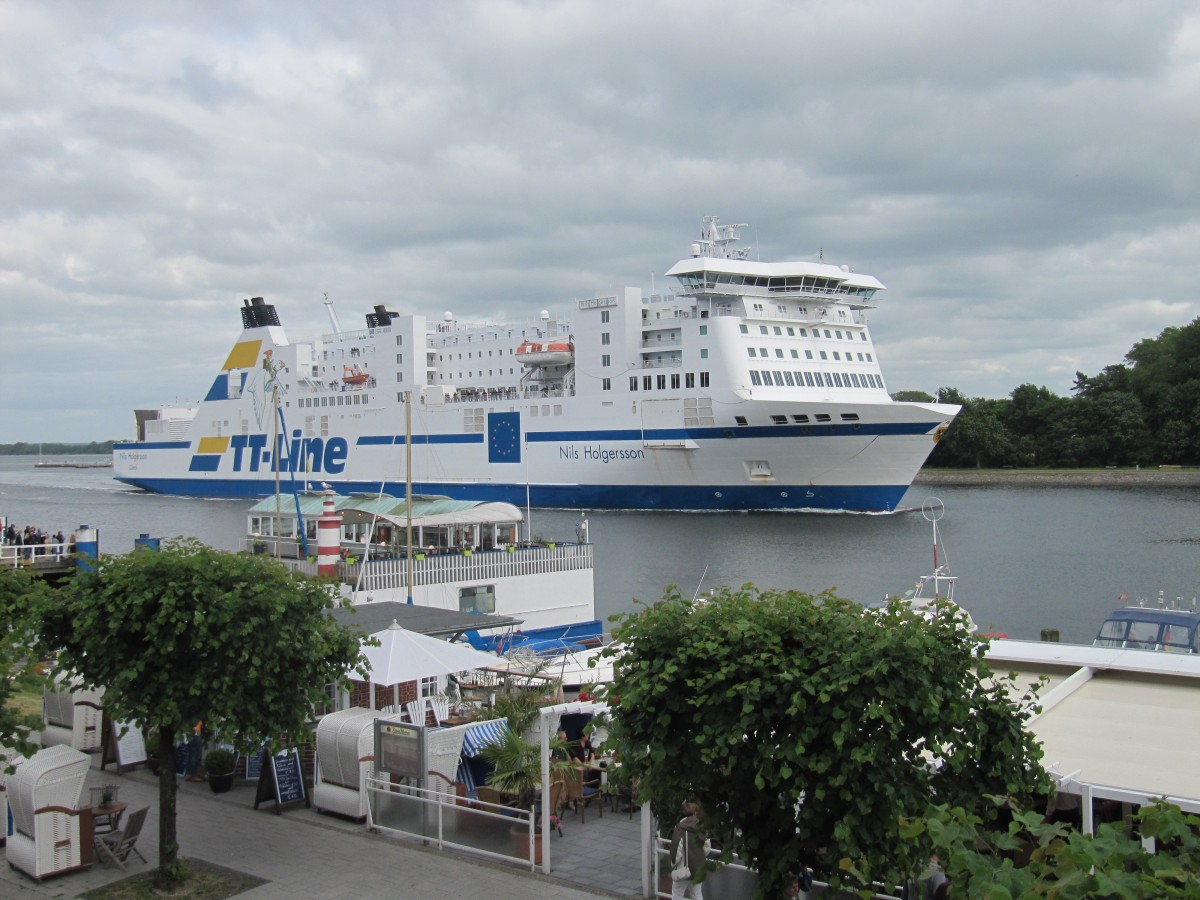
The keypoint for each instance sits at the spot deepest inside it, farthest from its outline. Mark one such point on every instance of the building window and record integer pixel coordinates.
(429, 686)
(606, 384)
(704, 329)
(778, 353)
(824, 355)
(743, 329)
(675, 381)
(480, 598)
(647, 382)
(750, 352)
(661, 382)
(633, 382)
(604, 316)
(787, 376)
(778, 378)
(791, 331)
(605, 337)
(754, 378)
(606, 360)
(808, 379)
(704, 353)
(703, 379)
(762, 329)
(689, 379)
(778, 330)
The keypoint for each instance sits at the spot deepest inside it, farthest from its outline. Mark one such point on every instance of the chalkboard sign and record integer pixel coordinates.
(125, 750)
(254, 765)
(282, 780)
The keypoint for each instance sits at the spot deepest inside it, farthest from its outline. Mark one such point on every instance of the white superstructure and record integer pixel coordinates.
(752, 385)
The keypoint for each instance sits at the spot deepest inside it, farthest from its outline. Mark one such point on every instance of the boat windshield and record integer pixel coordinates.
(1145, 635)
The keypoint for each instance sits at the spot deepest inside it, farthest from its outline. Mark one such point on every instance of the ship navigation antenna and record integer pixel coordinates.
(932, 511)
(333, 319)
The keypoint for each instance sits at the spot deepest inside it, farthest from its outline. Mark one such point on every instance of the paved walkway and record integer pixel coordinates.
(305, 855)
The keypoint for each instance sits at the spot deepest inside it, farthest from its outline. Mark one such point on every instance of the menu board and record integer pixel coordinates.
(123, 745)
(282, 779)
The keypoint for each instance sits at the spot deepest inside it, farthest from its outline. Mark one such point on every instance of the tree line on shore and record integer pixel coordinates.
(24, 448)
(1143, 411)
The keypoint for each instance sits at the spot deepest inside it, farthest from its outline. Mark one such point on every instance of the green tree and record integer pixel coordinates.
(21, 595)
(976, 438)
(912, 397)
(807, 726)
(193, 634)
(1058, 861)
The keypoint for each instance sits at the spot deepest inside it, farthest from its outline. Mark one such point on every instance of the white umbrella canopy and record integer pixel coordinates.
(404, 655)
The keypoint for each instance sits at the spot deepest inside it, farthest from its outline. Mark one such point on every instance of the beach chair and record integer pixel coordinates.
(117, 845)
(46, 833)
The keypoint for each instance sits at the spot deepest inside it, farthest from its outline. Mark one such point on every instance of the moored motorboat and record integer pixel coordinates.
(1167, 628)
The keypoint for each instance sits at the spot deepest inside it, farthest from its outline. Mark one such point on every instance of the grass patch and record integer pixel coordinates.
(205, 881)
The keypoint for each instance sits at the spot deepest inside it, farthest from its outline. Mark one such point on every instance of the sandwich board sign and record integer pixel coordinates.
(282, 780)
(123, 745)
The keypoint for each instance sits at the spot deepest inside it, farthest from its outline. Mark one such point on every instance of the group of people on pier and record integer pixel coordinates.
(37, 543)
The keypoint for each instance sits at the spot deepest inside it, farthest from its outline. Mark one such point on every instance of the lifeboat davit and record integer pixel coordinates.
(555, 353)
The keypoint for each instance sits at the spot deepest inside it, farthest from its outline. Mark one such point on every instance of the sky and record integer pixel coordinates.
(1024, 177)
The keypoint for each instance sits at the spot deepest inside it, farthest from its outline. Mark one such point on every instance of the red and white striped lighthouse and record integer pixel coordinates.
(329, 532)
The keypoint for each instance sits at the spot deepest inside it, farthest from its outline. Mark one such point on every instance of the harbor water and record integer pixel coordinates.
(1027, 558)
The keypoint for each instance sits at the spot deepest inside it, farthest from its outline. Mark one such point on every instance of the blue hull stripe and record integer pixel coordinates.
(815, 429)
(388, 439)
(155, 445)
(859, 498)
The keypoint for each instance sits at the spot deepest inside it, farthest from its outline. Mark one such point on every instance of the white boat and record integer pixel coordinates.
(935, 590)
(467, 557)
(751, 385)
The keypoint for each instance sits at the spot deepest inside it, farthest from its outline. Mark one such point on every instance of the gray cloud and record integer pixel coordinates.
(1022, 176)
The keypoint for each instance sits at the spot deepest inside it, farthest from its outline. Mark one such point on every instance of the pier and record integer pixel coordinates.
(44, 559)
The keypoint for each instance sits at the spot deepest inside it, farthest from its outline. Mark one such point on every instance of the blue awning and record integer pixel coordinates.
(479, 734)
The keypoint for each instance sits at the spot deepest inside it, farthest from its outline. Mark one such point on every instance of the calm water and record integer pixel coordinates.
(1027, 558)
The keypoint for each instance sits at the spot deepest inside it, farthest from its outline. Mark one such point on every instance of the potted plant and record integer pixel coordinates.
(219, 763)
(517, 770)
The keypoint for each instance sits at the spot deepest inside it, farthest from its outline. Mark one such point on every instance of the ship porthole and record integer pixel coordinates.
(783, 494)
(717, 495)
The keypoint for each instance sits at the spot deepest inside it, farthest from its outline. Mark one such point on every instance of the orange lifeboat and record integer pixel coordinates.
(354, 375)
(555, 353)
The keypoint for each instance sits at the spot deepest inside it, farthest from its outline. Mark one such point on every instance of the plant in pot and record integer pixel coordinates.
(517, 771)
(219, 763)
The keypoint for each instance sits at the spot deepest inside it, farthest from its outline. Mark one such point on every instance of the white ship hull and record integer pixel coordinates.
(664, 407)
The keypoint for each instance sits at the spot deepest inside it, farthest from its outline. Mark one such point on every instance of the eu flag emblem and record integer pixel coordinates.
(504, 437)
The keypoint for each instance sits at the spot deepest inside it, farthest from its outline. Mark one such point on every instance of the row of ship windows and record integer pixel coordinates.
(351, 398)
(776, 378)
(800, 418)
(831, 334)
(808, 354)
(660, 382)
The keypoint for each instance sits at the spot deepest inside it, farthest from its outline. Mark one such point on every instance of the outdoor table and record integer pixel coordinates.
(107, 819)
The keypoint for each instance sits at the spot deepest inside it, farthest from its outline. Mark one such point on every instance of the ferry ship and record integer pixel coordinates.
(748, 386)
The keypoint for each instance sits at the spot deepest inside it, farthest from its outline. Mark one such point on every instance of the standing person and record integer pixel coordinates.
(195, 745)
(688, 850)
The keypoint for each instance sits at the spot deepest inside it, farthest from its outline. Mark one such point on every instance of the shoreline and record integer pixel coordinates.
(1183, 478)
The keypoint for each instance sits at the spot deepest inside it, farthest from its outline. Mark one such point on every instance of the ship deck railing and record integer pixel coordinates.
(384, 568)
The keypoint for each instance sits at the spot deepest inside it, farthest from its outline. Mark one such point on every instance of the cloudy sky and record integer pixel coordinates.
(1023, 176)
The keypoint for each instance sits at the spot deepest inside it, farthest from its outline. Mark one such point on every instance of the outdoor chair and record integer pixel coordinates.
(117, 845)
(440, 707)
(486, 794)
(582, 790)
(416, 712)
(558, 790)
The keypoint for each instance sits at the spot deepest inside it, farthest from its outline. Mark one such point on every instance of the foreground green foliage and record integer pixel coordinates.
(807, 727)
(192, 634)
(20, 597)
(1059, 862)
(1144, 411)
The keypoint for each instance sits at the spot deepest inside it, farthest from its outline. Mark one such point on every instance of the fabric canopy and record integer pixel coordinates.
(479, 734)
(404, 655)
